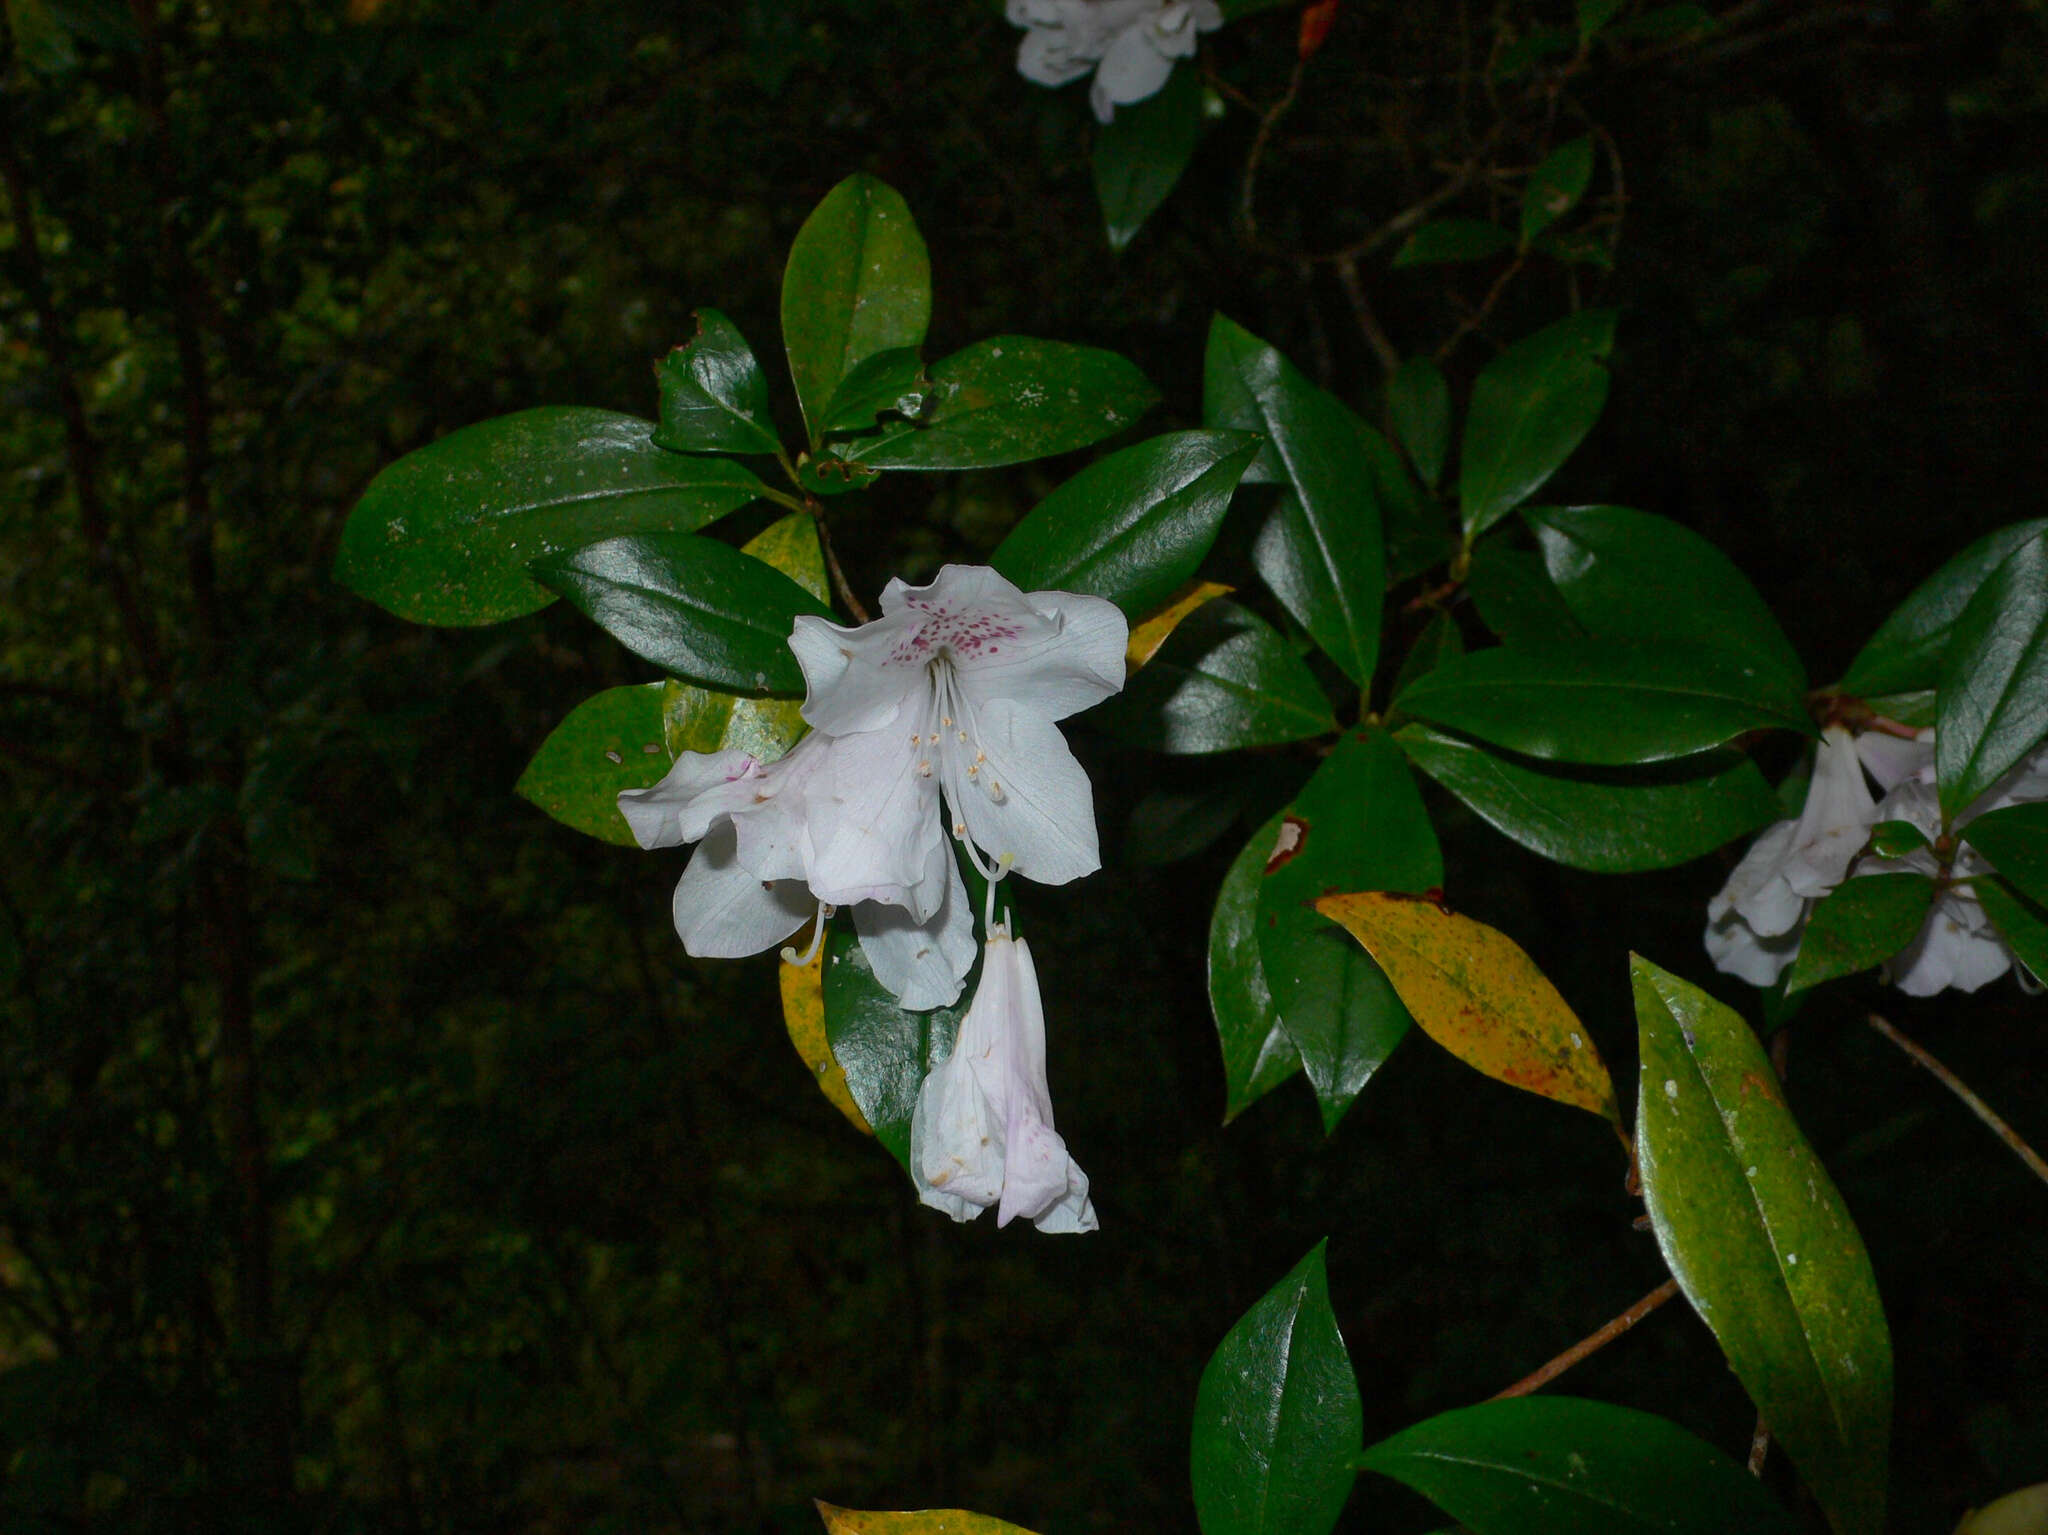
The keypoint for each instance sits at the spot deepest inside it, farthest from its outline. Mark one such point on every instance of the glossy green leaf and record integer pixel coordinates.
(713, 397)
(1993, 694)
(1358, 824)
(827, 474)
(1141, 153)
(1278, 1420)
(1636, 576)
(2015, 839)
(885, 1050)
(1417, 530)
(1224, 680)
(1531, 406)
(1859, 926)
(891, 382)
(1602, 701)
(1257, 1054)
(1904, 655)
(1131, 527)
(1516, 598)
(1321, 549)
(1442, 240)
(610, 742)
(698, 609)
(858, 282)
(703, 720)
(1419, 403)
(1762, 1245)
(2022, 922)
(1168, 825)
(1895, 839)
(1439, 641)
(444, 536)
(1007, 400)
(1607, 821)
(1560, 1465)
(1556, 185)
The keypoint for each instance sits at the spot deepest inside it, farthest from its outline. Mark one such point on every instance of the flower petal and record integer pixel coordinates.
(1074, 666)
(850, 681)
(1738, 949)
(723, 912)
(1836, 820)
(922, 963)
(1954, 949)
(1028, 805)
(1040, 1181)
(1131, 70)
(873, 819)
(700, 787)
(1891, 760)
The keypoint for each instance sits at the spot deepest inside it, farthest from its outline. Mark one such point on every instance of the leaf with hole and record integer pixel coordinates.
(713, 397)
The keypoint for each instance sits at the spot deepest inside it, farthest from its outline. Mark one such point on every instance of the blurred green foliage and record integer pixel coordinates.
(370, 1156)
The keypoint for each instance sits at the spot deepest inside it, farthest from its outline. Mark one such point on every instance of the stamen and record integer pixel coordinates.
(789, 955)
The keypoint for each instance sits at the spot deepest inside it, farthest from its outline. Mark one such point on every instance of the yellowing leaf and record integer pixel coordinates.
(803, 1014)
(2017, 1513)
(925, 1521)
(1148, 636)
(1478, 995)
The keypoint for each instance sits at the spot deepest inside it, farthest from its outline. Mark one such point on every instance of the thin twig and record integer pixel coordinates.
(1368, 323)
(1591, 1343)
(1976, 1105)
(839, 582)
(1248, 193)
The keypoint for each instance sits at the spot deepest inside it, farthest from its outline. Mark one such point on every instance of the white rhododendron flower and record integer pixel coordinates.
(1131, 45)
(945, 703)
(982, 1133)
(1753, 924)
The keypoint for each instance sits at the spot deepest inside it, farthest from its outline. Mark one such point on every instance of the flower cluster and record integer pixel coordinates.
(1130, 44)
(1755, 923)
(934, 724)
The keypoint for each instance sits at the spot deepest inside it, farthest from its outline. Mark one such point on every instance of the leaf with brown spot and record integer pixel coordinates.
(924, 1521)
(1478, 995)
(803, 1014)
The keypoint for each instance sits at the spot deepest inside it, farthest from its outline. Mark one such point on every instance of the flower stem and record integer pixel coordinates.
(1592, 1342)
(1976, 1105)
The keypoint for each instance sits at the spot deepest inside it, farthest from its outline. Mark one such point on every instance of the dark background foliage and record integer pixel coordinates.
(370, 1156)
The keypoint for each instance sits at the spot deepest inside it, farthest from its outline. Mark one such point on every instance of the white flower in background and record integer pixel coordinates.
(982, 1133)
(1753, 924)
(1958, 945)
(946, 701)
(1131, 45)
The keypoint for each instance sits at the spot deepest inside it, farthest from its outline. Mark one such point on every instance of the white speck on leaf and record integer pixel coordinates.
(1670, 1088)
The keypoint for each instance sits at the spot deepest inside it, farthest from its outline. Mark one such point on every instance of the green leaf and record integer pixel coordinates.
(698, 609)
(1602, 701)
(891, 381)
(1560, 1465)
(1556, 185)
(2015, 840)
(1438, 642)
(1257, 1054)
(444, 535)
(1278, 1418)
(713, 397)
(1895, 839)
(1859, 926)
(1007, 400)
(1224, 680)
(1142, 152)
(609, 742)
(1358, 824)
(1419, 401)
(1442, 240)
(1993, 694)
(885, 1050)
(1531, 406)
(827, 474)
(858, 282)
(1606, 821)
(1761, 1244)
(1636, 576)
(2022, 922)
(1516, 598)
(1131, 527)
(1322, 549)
(1904, 655)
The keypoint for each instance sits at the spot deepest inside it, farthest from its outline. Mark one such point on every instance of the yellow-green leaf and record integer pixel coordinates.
(2017, 1513)
(1148, 636)
(924, 1521)
(1478, 995)
(803, 1014)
